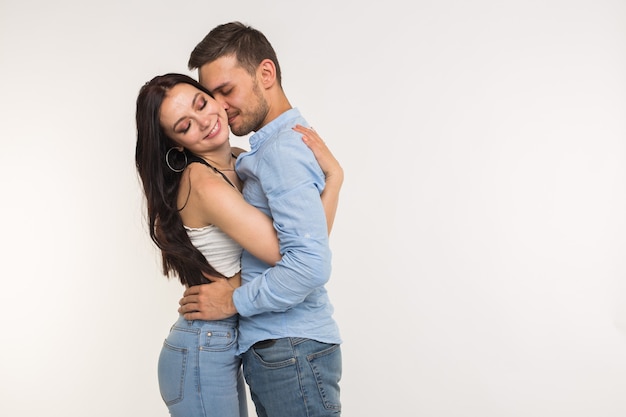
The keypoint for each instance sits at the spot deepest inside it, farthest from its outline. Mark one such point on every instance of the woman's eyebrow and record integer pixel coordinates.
(193, 104)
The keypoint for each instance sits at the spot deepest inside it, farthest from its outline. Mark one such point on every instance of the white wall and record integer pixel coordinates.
(479, 264)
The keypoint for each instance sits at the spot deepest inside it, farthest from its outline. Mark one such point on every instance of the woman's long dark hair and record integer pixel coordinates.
(161, 184)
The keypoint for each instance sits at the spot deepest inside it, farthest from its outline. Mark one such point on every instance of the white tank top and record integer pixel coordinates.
(223, 253)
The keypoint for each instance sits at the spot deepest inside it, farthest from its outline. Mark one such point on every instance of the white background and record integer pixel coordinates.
(479, 264)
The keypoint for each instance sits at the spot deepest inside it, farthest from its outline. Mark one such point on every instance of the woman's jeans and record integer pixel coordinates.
(294, 377)
(199, 370)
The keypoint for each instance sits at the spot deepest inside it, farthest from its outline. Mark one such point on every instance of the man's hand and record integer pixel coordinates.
(208, 301)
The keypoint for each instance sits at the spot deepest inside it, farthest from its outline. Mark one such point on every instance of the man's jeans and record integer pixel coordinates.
(294, 377)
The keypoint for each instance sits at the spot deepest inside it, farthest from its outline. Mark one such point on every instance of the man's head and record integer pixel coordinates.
(240, 68)
(247, 44)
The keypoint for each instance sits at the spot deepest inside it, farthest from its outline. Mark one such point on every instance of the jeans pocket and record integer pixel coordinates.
(218, 339)
(326, 367)
(278, 355)
(171, 372)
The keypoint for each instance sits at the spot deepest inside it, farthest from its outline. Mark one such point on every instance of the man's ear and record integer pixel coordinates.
(267, 72)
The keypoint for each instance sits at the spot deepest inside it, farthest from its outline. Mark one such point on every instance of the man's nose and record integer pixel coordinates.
(222, 102)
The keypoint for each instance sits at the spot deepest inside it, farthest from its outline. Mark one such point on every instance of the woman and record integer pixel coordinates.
(200, 222)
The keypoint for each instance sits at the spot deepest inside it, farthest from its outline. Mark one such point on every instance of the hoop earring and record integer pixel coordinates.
(167, 160)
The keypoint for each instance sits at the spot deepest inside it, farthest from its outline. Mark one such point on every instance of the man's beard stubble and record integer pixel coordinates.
(253, 117)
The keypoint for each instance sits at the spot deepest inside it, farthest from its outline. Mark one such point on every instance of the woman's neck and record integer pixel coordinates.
(222, 160)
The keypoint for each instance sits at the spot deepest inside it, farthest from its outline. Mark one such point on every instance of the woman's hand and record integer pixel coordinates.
(327, 161)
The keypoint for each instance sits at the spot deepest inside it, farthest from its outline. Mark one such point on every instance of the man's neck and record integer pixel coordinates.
(278, 105)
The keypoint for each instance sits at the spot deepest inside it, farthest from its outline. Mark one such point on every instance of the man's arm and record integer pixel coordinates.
(292, 181)
(293, 185)
(208, 301)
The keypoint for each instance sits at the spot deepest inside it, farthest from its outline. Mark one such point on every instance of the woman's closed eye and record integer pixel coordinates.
(182, 128)
(202, 103)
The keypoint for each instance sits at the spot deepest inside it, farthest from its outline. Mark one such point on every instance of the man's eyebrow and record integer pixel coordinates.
(220, 86)
(193, 104)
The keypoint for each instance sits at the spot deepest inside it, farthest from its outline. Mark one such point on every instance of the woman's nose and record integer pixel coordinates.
(203, 122)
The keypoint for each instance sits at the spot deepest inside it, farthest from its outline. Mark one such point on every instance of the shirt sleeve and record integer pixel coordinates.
(292, 181)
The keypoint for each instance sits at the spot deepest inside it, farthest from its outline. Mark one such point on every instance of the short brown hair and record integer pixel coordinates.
(248, 45)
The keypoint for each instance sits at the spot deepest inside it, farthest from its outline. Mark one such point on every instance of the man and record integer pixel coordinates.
(289, 342)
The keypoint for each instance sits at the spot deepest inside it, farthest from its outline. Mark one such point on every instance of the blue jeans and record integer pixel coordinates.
(200, 372)
(294, 377)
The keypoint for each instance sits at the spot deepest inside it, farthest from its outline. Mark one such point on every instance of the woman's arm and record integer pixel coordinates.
(250, 227)
(331, 168)
(213, 201)
(216, 202)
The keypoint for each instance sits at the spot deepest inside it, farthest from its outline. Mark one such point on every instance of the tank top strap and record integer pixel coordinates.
(193, 158)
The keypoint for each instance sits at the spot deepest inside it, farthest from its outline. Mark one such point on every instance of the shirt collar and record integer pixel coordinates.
(272, 127)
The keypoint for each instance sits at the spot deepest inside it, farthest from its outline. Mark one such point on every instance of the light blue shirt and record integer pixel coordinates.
(283, 179)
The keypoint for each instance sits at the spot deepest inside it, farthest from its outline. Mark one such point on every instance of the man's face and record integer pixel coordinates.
(238, 92)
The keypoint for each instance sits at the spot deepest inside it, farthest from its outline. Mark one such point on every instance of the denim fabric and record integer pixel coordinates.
(294, 377)
(199, 371)
(283, 179)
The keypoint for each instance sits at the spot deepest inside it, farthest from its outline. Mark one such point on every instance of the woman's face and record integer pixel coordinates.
(193, 119)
